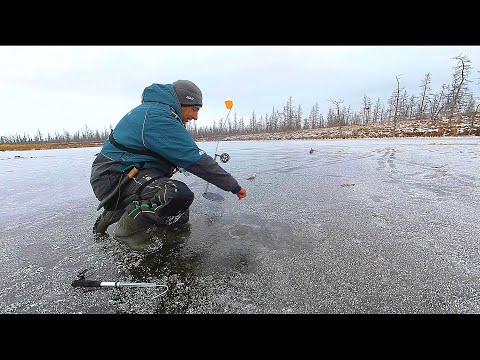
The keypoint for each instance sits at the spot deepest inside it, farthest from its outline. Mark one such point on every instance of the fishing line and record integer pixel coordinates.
(223, 158)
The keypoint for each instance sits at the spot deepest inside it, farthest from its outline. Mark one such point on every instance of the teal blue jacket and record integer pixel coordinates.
(156, 125)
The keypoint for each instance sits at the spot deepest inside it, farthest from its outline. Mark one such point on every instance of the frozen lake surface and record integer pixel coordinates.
(357, 226)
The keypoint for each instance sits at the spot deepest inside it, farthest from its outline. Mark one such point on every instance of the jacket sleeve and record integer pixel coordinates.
(209, 170)
(168, 137)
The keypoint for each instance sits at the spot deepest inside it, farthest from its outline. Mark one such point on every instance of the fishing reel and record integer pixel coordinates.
(223, 157)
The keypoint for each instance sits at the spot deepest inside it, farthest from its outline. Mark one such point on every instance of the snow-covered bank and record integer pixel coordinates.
(411, 128)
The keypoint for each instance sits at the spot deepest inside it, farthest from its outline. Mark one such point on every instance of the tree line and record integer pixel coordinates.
(453, 101)
(85, 135)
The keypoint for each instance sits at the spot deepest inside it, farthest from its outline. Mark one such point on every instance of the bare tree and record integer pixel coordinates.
(438, 103)
(403, 106)
(424, 95)
(274, 120)
(376, 111)
(289, 115)
(39, 136)
(338, 117)
(306, 122)
(459, 86)
(349, 116)
(298, 118)
(367, 104)
(241, 125)
(321, 121)
(470, 111)
(253, 122)
(396, 102)
(411, 109)
(313, 118)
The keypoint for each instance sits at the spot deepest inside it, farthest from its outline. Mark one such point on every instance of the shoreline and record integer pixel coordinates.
(404, 129)
(46, 146)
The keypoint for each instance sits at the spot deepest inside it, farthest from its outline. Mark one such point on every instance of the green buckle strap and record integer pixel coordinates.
(143, 204)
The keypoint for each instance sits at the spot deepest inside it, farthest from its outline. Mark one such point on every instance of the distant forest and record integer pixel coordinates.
(454, 101)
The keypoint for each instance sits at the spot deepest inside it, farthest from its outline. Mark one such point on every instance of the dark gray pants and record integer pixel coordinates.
(151, 198)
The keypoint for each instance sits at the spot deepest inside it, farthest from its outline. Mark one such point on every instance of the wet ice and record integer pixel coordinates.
(358, 226)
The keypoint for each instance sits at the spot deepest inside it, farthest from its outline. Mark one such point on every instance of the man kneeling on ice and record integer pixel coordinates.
(131, 176)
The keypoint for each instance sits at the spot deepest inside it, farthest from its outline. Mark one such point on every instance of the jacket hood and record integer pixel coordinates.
(161, 93)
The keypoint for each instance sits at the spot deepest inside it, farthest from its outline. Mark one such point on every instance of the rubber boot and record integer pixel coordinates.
(105, 219)
(134, 233)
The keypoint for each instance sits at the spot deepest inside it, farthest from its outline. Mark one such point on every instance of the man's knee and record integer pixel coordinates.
(169, 194)
(181, 196)
(158, 200)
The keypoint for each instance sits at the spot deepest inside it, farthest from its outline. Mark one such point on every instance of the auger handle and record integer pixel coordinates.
(86, 283)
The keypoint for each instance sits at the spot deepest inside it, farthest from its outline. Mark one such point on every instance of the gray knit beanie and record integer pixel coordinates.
(188, 93)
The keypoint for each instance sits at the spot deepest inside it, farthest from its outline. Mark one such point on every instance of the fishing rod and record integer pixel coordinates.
(223, 158)
(82, 282)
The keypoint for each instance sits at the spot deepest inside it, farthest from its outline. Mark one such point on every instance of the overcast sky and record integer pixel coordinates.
(57, 88)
